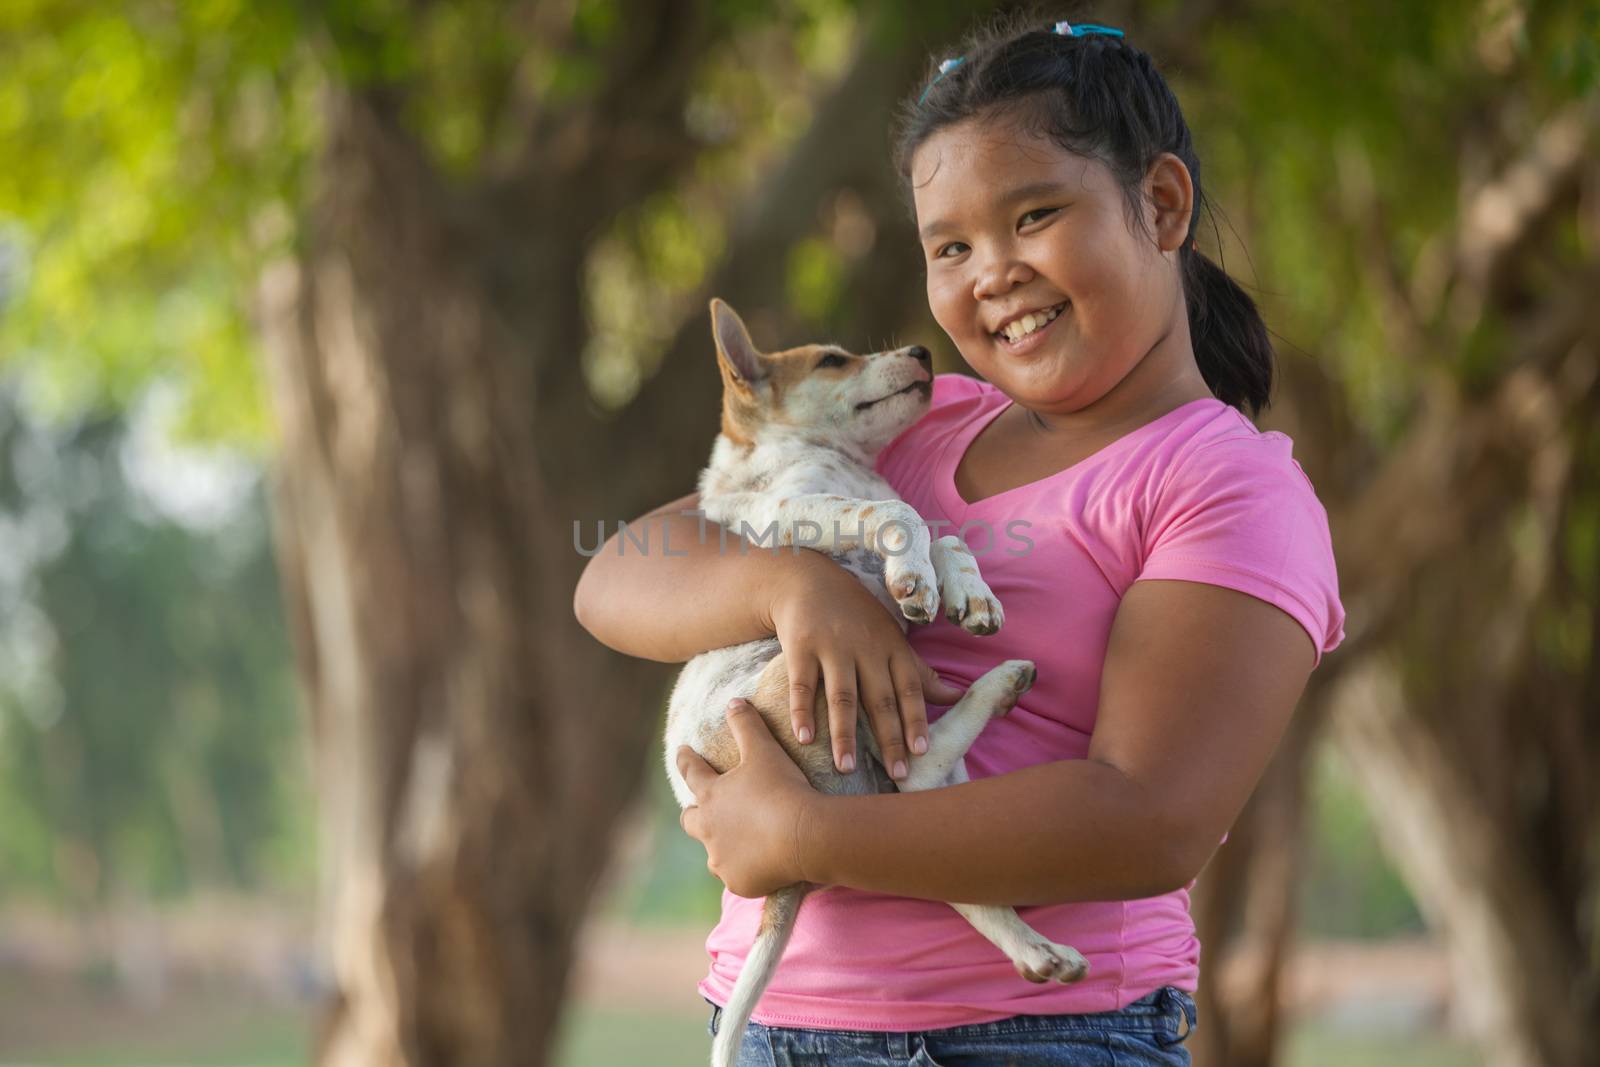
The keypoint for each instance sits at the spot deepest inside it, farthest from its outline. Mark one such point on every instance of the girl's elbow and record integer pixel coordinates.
(1177, 862)
(582, 608)
(588, 604)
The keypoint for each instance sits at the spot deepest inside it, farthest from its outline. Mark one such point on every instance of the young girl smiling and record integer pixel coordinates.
(1179, 588)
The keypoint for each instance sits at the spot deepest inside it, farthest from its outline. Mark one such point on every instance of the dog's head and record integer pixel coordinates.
(818, 391)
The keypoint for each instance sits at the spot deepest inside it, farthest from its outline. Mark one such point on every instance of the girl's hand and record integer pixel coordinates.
(750, 818)
(826, 619)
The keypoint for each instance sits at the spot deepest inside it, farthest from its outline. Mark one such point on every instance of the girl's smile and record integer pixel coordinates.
(1022, 332)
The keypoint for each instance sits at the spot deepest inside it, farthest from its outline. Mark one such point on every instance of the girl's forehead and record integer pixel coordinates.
(972, 161)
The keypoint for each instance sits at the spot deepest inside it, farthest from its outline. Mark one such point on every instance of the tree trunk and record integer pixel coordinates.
(467, 783)
(1519, 971)
(473, 747)
(1473, 742)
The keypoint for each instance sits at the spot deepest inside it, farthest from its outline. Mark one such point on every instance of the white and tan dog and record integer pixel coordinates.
(794, 465)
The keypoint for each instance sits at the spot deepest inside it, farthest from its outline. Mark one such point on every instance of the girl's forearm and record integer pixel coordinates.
(1052, 833)
(675, 586)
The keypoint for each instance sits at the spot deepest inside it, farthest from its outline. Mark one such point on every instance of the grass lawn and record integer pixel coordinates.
(1312, 1045)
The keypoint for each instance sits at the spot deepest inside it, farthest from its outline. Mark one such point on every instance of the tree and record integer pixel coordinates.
(1457, 463)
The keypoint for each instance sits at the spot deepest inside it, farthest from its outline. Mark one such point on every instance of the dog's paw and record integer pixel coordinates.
(1000, 686)
(969, 603)
(1024, 675)
(914, 587)
(1045, 961)
(968, 600)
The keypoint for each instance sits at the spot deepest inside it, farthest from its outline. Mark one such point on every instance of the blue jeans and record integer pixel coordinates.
(1150, 1031)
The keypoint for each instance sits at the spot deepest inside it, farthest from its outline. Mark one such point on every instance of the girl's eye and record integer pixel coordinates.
(830, 360)
(954, 248)
(1038, 213)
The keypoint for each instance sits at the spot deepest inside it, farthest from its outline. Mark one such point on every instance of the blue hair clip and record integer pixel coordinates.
(944, 68)
(1067, 29)
(1064, 29)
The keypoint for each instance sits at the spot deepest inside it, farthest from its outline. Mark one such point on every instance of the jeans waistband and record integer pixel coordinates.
(1167, 1013)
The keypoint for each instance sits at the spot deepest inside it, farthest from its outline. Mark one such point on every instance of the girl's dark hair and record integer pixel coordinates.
(1100, 97)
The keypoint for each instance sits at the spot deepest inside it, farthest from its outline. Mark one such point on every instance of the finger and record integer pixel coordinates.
(696, 772)
(883, 715)
(936, 690)
(803, 695)
(912, 708)
(689, 819)
(840, 682)
(750, 731)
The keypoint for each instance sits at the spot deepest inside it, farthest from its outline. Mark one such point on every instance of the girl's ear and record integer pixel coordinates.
(735, 352)
(1172, 197)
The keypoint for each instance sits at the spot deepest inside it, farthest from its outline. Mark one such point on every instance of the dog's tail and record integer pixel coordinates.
(778, 915)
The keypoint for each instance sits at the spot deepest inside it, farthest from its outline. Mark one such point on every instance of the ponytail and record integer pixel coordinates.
(1231, 346)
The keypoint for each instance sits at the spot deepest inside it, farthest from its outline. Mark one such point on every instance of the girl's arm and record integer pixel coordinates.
(682, 594)
(694, 587)
(1198, 685)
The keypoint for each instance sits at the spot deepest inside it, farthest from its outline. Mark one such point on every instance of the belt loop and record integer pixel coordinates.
(1174, 998)
(716, 1017)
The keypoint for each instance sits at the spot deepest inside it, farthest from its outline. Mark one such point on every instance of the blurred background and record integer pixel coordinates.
(322, 324)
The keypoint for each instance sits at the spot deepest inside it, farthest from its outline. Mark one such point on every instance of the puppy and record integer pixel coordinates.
(794, 465)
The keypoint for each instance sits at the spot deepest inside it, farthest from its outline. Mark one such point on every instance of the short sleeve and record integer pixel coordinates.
(1241, 513)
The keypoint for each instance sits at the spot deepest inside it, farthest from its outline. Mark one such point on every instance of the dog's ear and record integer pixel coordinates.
(735, 351)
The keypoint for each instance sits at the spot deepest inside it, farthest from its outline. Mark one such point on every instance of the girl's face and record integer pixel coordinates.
(1016, 230)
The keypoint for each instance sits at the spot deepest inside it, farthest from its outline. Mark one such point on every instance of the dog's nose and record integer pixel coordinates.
(921, 355)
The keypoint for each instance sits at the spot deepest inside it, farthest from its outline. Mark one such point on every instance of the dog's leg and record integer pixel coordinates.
(948, 739)
(968, 600)
(1036, 957)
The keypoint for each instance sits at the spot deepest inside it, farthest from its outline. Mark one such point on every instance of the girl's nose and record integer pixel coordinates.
(999, 275)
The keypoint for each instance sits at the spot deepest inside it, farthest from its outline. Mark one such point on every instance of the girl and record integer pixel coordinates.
(1165, 564)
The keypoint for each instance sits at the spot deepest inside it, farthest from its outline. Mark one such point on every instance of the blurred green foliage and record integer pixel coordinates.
(159, 154)
(1346, 133)
(147, 716)
(154, 153)
(1348, 888)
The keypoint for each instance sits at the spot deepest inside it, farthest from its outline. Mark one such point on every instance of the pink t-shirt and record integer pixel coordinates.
(1199, 494)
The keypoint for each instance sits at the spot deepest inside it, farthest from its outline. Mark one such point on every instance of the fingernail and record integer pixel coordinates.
(734, 703)
(919, 745)
(804, 734)
(847, 763)
(899, 769)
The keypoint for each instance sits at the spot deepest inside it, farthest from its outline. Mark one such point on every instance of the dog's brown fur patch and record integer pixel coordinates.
(743, 413)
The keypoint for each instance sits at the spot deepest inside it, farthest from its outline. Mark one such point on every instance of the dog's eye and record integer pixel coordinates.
(831, 360)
